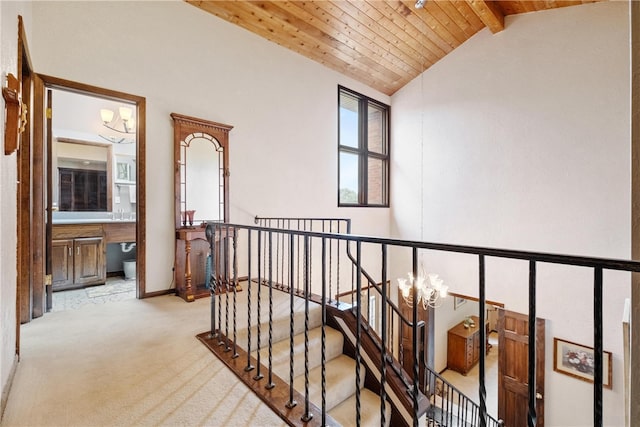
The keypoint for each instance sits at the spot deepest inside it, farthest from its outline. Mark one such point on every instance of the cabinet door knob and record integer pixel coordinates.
(538, 396)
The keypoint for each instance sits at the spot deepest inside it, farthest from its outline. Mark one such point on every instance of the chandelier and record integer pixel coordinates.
(429, 289)
(120, 121)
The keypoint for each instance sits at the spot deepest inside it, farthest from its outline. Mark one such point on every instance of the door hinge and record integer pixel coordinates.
(49, 113)
(48, 279)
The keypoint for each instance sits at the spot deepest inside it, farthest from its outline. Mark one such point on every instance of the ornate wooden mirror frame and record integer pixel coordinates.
(184, 128)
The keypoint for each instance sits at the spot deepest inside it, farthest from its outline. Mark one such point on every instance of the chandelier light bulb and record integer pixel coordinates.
(125, 113)
(428, 289)
(106, 115)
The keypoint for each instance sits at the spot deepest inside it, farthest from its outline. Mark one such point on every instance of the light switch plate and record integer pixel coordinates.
(117, 199)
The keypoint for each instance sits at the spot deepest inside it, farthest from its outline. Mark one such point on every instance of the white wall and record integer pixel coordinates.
(8, 175)
(526, 146)
(181, 59)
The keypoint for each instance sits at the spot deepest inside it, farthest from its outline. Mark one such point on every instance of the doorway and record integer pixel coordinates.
(506, 360)
(93, 163)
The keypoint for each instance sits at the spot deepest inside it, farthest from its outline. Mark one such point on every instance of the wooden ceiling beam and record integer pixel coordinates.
(489, 13)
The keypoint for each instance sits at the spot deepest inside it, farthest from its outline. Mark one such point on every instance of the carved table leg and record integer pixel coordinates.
(187, 272)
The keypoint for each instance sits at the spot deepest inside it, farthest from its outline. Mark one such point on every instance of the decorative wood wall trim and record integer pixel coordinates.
(11, 95)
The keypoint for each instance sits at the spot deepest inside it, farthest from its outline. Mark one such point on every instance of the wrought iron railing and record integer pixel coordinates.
(296, 275)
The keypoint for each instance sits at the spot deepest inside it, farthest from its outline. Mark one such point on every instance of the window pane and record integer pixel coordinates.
(375, 128)
(348, 178)
(376, 182)
(348, 120)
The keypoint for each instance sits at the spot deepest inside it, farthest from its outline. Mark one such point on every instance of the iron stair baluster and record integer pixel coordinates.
(383, 332)
(597, 347)
(483, 341)
(323, 355)
(414, 339)
(532, 416)
(249, 366)
(307, 285)
(226, 281)
(291, 403)
(358, 337)
(213, 282)
(270, 383)
(259, 375)
(235, 285)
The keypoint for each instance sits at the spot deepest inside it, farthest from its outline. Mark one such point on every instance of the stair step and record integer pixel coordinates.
(340, 381)
(280, 351)
(281, 327)
(345, 413)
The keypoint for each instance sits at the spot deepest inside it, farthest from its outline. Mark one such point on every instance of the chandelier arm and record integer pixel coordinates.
(126, 129)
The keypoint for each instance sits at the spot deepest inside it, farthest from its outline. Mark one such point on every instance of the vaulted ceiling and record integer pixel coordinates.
(383, 44)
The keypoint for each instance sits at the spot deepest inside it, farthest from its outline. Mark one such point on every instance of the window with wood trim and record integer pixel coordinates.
(363, 150)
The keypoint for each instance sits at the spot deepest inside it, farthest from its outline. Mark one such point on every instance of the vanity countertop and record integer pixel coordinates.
(61, 221)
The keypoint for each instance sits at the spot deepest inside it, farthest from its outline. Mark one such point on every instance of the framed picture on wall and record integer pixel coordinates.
(458, 301)
(577, 361)
(123, 171)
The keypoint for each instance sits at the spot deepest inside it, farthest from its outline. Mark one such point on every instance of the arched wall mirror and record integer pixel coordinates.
(201, 170)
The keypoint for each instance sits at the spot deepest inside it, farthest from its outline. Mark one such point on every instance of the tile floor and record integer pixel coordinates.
(469, 384)
(115, 289)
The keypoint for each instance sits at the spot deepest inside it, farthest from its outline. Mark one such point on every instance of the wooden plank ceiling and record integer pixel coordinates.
(383, 44)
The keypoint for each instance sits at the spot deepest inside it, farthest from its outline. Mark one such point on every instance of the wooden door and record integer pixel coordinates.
(513, 365)
(425, 338)
(88, 261)
(62, 263)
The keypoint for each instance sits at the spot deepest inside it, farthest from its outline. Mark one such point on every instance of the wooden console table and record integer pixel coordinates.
(463, 346)
(192, 249)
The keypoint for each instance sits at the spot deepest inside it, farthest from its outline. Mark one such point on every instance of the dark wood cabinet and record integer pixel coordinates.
(463, 346)
(82, 190)
(62, 263)
(192, 250)
(77, 262)
(77, 256)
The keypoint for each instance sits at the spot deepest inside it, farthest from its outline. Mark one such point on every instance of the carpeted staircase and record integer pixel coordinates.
(340, 376)
(340, 369)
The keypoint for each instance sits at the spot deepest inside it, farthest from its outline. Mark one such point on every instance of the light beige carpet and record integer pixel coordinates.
(127, 363)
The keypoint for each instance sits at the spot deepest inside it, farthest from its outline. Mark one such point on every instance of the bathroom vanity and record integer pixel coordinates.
(78, 256)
